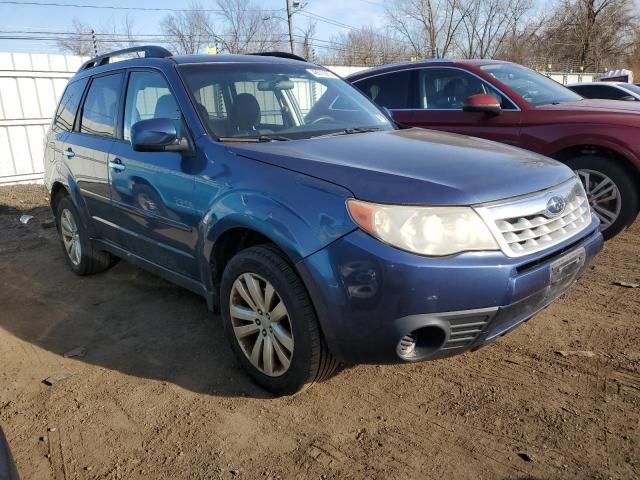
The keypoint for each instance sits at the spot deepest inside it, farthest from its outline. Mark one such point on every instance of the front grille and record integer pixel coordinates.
(526, 225)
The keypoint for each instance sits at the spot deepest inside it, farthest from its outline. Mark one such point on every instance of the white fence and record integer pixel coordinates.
(30, 86)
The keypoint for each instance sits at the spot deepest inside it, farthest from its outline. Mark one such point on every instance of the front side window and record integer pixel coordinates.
(533, 87)
(101, 105)
(449, 88)
(392, 90)
(66, 113)
(292, 101)
(148, 96)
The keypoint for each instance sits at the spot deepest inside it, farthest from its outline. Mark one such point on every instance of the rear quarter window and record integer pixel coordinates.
(69, 103)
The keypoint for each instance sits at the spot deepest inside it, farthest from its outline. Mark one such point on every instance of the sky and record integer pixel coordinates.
(24, 16)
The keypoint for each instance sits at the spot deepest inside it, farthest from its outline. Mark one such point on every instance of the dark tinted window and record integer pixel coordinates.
(607, 92)
(612, 93)
(66, 113)
(101, 105)
(392, 90)
(448, 88)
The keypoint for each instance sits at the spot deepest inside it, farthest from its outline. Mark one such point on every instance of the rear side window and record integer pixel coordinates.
(101, 105)
(395, 91)
(66, 113)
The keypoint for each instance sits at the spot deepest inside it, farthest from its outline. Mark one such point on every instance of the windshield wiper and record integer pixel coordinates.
(259, 139)
(349, 131)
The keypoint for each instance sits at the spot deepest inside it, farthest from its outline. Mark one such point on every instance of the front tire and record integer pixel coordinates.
(76, 245)
(611, 191)
(271, 324)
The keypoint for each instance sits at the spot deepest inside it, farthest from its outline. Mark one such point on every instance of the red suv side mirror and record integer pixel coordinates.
(482, 102)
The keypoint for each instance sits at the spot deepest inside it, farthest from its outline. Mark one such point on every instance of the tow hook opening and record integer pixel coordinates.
(421, 343)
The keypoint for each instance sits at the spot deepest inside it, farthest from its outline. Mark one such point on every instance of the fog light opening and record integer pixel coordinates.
(421, 342)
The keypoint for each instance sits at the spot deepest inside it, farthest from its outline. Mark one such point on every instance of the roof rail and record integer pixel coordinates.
(290, 56)
(150, 51)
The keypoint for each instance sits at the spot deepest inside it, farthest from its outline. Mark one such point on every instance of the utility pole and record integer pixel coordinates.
(290, 22)
(95, 42)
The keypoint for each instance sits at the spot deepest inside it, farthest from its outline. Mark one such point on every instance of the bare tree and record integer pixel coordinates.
(590, 34)
(188, 31)
(366, 47)
(247, 28)
(79, 42)
(429, 26)
(306, 45)
(488, 23)
(106, 38)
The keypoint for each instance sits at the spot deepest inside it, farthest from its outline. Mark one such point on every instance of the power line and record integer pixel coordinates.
(114, 7)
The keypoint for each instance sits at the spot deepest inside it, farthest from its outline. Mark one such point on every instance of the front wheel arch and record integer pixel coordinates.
(597, 168)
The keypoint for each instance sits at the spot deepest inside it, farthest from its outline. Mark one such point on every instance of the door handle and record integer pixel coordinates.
(69, 153)
(117, 165)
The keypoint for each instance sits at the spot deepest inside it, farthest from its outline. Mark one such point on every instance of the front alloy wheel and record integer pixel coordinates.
(603, 195)
(611, 190)
(261, 324)
(270, 322)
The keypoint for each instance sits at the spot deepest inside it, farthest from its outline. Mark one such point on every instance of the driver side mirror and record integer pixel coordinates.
(484, 103)
(157, 135)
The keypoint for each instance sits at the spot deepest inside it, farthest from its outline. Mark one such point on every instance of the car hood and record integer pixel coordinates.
(414, 166)
(612, 106)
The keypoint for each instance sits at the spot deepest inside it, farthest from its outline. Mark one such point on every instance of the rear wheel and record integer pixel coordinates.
(611, 191)
(271, 324)
(78, 250)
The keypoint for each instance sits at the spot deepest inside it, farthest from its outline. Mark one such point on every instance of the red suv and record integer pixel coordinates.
(508, 103)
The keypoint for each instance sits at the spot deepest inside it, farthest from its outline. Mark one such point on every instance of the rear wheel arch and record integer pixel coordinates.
(58, 191)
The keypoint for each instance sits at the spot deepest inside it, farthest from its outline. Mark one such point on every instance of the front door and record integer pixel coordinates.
(152, 192)
(442, 92)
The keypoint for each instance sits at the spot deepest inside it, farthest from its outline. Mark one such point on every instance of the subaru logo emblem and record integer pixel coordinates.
(555, 206)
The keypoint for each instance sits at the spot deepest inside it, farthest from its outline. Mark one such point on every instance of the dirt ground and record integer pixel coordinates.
(159, 394)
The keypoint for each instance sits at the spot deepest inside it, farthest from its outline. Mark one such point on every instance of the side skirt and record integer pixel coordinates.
(173, 277)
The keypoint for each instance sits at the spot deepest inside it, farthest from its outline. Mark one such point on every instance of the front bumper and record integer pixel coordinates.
(369, 295)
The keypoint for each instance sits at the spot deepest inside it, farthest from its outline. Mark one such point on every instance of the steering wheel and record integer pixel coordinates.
(322, 119)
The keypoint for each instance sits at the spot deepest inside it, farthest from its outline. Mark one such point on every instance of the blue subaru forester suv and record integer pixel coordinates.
(324, 233)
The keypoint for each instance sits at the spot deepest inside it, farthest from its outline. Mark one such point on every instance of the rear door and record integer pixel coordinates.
(63, 122)
(442, 94)
(87, 146)
(152, 192)
(396, 91)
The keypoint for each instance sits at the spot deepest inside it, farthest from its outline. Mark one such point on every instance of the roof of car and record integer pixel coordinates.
(190, 59)
(615, 84)
(418, 63)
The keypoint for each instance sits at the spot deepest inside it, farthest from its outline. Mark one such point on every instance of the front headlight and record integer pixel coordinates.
(433, 231)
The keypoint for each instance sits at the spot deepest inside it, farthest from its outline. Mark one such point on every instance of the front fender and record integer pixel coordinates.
(297, 232)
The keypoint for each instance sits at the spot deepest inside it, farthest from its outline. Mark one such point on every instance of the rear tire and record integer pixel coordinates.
(78, 250)
(611, 189)
(296, 352)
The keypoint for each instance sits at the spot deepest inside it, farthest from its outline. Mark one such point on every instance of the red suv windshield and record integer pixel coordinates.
(531, 86)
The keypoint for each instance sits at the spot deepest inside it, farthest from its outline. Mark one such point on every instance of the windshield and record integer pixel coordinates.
(531, 86)
(278, 101)
(631, 87)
